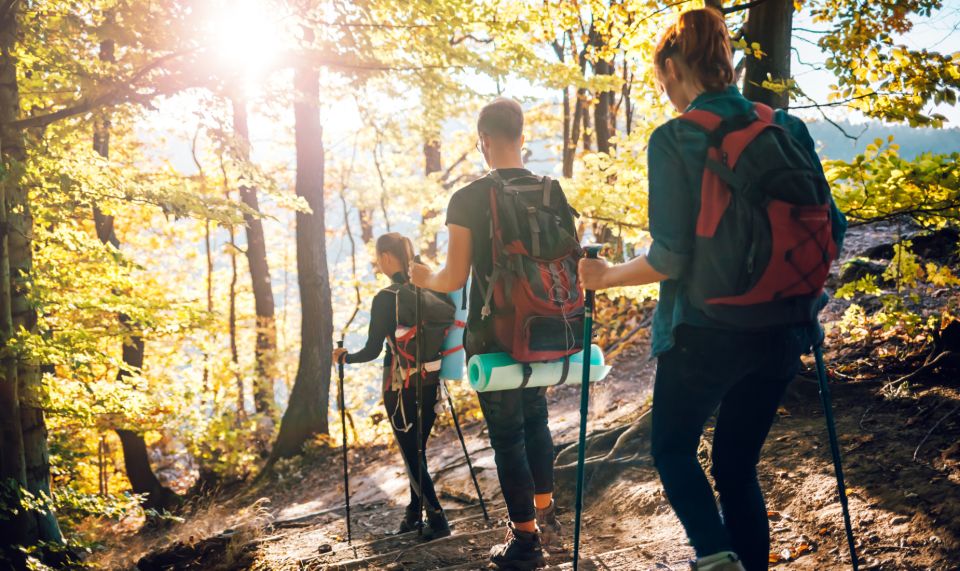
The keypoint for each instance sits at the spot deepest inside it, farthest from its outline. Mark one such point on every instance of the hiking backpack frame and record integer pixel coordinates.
(533, 296)
(764, 241)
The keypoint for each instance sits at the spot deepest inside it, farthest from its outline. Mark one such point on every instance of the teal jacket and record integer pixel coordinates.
(675, 157)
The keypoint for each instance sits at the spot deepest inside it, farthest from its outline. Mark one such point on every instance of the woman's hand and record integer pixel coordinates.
(339, 354)
(594, 273)
(420, 274)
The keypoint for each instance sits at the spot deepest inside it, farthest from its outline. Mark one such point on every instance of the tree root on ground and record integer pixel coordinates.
(617, 441)
(944, 359)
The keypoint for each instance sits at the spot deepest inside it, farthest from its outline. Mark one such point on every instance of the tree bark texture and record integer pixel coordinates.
(306, 415)
(431, 163)
(24, 458)
(770, 24)
(256, 251)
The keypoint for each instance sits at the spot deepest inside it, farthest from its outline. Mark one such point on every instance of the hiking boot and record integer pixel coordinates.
(723, 561)
(411, 520)
(436, 526)
(550, 530)
(521, 551)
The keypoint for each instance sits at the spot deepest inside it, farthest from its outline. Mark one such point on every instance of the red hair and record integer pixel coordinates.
(701, 40)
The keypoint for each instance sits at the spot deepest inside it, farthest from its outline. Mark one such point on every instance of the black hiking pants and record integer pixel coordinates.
(522, 446)
(402, 411)
(742, 376)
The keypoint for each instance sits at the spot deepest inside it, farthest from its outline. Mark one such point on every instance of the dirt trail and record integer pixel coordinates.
(906, 511)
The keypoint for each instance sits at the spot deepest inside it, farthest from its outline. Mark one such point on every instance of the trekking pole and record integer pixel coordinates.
(835, 450)
(592, 252)
(418, 338)
(456, 423)
(343, 429)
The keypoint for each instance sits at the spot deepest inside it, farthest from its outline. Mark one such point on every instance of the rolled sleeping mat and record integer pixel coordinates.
(451, 366)
(499, 372)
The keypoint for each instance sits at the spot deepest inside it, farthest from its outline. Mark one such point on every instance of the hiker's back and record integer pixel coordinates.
(762, 227)
(437, 317)
(524, 265)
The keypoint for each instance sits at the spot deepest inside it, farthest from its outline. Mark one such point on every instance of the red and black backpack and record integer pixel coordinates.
(533, 295)
(764, 240)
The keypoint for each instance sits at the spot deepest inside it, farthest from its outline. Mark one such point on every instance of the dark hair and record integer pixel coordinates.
(501, 117)
(701, 39)
(398, 246)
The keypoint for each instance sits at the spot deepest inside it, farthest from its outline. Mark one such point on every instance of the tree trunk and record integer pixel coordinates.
(602, 116)
(587, 126)
(142, 479)
(232, 327)
(431, 164)
(567, 158)
(266, 348)
(22, 528)
(576, 126)
(770, 24)
(306, 414)
(206, 356)
(366, 225)
(137, 464)
(24, 456)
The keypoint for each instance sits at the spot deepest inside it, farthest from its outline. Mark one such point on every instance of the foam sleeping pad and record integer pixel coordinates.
(498, 371)
(451, 367)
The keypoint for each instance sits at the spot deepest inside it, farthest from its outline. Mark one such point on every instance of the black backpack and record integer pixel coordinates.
(764, 237)
(438, 316)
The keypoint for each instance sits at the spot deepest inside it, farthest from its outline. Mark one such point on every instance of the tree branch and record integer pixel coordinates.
(741, 7)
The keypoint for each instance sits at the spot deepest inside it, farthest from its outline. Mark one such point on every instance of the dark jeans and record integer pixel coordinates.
(522, 446)
(745, 375)
(402, 405)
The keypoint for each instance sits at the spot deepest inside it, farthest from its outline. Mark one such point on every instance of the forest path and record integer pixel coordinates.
(902, 459)
(906, 511)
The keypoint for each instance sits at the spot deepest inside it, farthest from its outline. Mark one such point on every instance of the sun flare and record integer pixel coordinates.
(247, 34)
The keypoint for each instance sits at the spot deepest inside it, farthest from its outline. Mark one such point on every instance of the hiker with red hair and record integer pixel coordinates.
(744, 231)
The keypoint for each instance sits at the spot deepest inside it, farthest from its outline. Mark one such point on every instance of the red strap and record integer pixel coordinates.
(735, 143)
(459, 324)
(765, 112)
(408, 335)
(705, 119)
(451, 351)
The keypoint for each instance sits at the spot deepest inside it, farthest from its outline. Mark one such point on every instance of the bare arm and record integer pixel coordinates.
(454, 274)
(598, 274)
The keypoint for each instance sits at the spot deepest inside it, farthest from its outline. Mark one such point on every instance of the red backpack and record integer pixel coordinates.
(764, 240)
(533, 294)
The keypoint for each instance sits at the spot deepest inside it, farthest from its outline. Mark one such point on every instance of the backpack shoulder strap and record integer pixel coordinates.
(706, 120)
(764, 112)
(547, 188)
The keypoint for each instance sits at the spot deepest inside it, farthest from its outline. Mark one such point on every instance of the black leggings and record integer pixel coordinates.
(402, 411)
(745, 375)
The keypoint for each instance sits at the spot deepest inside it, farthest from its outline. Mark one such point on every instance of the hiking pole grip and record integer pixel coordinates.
(592, 252)
(343, 429)
(835, 451)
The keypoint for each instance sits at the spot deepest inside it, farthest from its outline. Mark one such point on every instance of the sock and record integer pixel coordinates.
(526, 526)
(707, 563)
(542, 501)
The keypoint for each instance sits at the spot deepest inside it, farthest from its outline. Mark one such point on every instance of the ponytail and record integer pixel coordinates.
(398, 246)
(702, 42)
